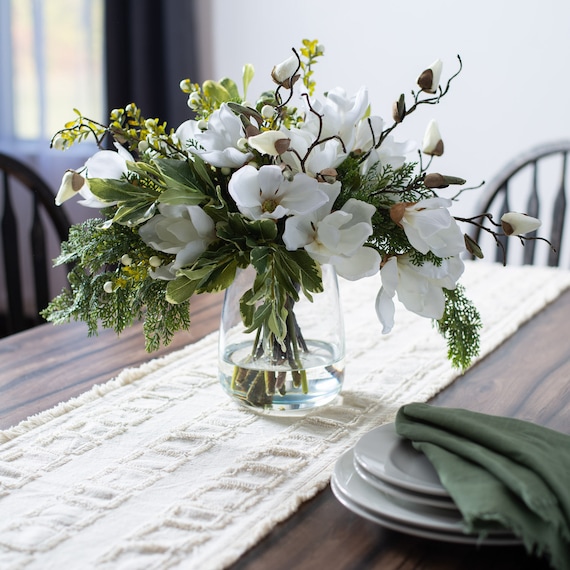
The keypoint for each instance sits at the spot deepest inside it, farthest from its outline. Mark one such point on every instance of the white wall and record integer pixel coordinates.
(512, 94)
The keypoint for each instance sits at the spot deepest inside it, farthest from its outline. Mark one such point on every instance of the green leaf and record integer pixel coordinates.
(110, 190)
(215, 91)
(180, 196)
(260, 258)
(257, 316)
(252, 231)
(306, 270)
(197, 273)
(180, 289)
(179, 181)
(202, 170)
(231, 87)
(247, 112)
(277, 325)
(247, 75)
(134, 212)
(144, 170)
(178, 172)
(247, 308)
(219, 277)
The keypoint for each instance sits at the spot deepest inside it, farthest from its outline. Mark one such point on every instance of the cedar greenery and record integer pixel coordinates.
(460, 325)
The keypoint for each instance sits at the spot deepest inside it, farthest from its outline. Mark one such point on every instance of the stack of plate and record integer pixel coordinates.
(385, 480)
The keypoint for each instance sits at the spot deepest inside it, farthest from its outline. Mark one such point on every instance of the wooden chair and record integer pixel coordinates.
(535, 183)
(29, 221)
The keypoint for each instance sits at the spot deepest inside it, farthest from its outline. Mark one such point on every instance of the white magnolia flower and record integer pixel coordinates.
(339, 116)
(390, 152)
(337, 238)
(432, 143)
(265, 193)
(516, 224)
(337, 125)
(105, 164)
(219, 142)
(326, 155)
(368, 132)
(419, 287)
(429, 226)
(186, 133)
(185, 231)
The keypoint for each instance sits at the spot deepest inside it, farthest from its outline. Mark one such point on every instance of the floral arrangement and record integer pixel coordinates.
(284, 183)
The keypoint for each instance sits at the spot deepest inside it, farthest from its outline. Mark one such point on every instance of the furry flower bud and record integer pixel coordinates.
(432, 143)
(437, 180)
(516, 224)
(272, 143)
(71, 183)
(428, 80)
(399, 109)
(284, 72)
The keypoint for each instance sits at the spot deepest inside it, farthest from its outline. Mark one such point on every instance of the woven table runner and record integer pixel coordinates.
(159, 469)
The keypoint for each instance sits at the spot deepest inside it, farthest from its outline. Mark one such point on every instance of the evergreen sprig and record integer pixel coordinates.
(106, 292)
(460, 326)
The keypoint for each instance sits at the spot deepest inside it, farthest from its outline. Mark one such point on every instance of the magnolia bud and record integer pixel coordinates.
(284, 72)
(108, 287)
(71, 183)
(327, 175)
(251, 130)
(432, 143)
(398, 210)
(272, 143)
(126, 259)
(399, 109)
(436, 180)
(473, 247)
(428, 80)
(155, 261)
(515, 224)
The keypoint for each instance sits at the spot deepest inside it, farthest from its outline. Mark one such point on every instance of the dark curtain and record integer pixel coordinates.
(151, 45)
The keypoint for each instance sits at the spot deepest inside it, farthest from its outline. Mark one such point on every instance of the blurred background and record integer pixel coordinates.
(57, 55)
(94, 55)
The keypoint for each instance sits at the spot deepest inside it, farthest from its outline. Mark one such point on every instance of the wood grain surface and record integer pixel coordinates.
(527, 377)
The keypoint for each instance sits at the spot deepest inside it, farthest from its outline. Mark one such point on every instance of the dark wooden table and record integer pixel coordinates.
(527, 377)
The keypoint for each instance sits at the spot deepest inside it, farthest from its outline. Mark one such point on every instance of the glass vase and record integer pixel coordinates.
(304, 371)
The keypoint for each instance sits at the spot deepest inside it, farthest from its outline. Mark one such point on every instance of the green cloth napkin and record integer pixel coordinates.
(499, 470)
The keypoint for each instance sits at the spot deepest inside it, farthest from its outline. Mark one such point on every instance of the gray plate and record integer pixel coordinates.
(408, 517)
(392, 459)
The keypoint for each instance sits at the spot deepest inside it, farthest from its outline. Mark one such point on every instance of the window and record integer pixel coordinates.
(51, 56)
(51, 61)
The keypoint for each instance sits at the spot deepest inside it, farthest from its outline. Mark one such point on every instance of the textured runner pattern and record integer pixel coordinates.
(158, 469)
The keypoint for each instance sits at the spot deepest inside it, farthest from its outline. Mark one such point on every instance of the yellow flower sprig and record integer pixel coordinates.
(310, 51)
